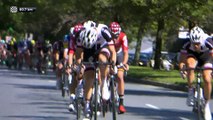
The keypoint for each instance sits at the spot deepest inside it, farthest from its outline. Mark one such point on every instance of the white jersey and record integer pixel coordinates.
(104, 37)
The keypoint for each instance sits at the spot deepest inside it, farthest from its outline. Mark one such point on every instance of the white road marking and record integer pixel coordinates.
(51, 81)
(152, 106)
(182, 118)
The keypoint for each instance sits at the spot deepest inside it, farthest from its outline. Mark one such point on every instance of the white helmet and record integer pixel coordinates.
(195, 34)
(88, 37)
(89, 24)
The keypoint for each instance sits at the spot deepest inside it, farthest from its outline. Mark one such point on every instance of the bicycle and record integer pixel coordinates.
(111, 104)
(199, 101)
(94, 100)
(66, 80)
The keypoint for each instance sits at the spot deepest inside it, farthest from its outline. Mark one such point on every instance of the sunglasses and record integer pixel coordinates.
(197, 43)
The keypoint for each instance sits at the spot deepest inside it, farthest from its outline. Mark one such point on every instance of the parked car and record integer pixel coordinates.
(144, 59)
(131, 58)
(167, 61)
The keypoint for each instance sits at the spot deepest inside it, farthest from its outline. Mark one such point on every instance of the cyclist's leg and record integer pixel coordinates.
(72, 89)
(59, 68)
(207, 77)
(206, 61)
(55, 59)
(121, 84)
(73, 84)
(104, 71)
(191, 62)
(27, 57)
(89, 79)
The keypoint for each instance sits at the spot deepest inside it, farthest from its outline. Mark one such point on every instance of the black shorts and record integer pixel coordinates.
(201, 58)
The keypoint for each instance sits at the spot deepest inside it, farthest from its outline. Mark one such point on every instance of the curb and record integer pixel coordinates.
(155, 83)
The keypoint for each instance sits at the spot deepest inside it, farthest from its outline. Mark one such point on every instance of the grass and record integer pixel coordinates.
(163, 76)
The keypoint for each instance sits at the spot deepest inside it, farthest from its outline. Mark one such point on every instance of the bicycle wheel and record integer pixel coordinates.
(95, 100)
(198, 107)
(66, 84)
(105, 107)
(62, 85)
(78, 108)
(113, 104)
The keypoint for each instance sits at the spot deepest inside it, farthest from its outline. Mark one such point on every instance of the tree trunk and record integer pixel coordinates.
(138, 45)
(159, 43)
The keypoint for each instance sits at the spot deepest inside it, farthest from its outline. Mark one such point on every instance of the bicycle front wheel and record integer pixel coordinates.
(113, 101)
(198, 108)
(78, 108)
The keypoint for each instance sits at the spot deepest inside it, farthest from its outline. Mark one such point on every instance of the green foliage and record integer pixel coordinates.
(53, 19)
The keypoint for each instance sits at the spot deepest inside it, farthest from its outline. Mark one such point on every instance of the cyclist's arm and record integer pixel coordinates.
(209, 44)
(79, 55)
(182, 59)
(106, 34)
(111, 48)
(183, 55)
(126, 55)
(125, 49)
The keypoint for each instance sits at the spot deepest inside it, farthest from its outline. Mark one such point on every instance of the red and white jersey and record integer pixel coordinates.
(121, 43)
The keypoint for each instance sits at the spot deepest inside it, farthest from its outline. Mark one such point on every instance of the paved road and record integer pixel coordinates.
(25, 95)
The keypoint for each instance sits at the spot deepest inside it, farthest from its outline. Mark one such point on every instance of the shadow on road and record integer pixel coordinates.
(32, 117)
(154, 93)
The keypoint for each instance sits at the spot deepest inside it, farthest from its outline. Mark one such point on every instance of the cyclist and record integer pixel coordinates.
(74, 34)
(22, 50)
(12, 51)
(94, 44)
(33, 53)
(59, 59)
(121, 46)
(3, 55)
(57, 48)
(198, 52)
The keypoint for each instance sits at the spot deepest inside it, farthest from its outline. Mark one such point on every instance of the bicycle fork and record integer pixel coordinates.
(199, 99)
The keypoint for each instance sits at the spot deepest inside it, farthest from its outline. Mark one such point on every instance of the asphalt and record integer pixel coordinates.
(145, 81)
